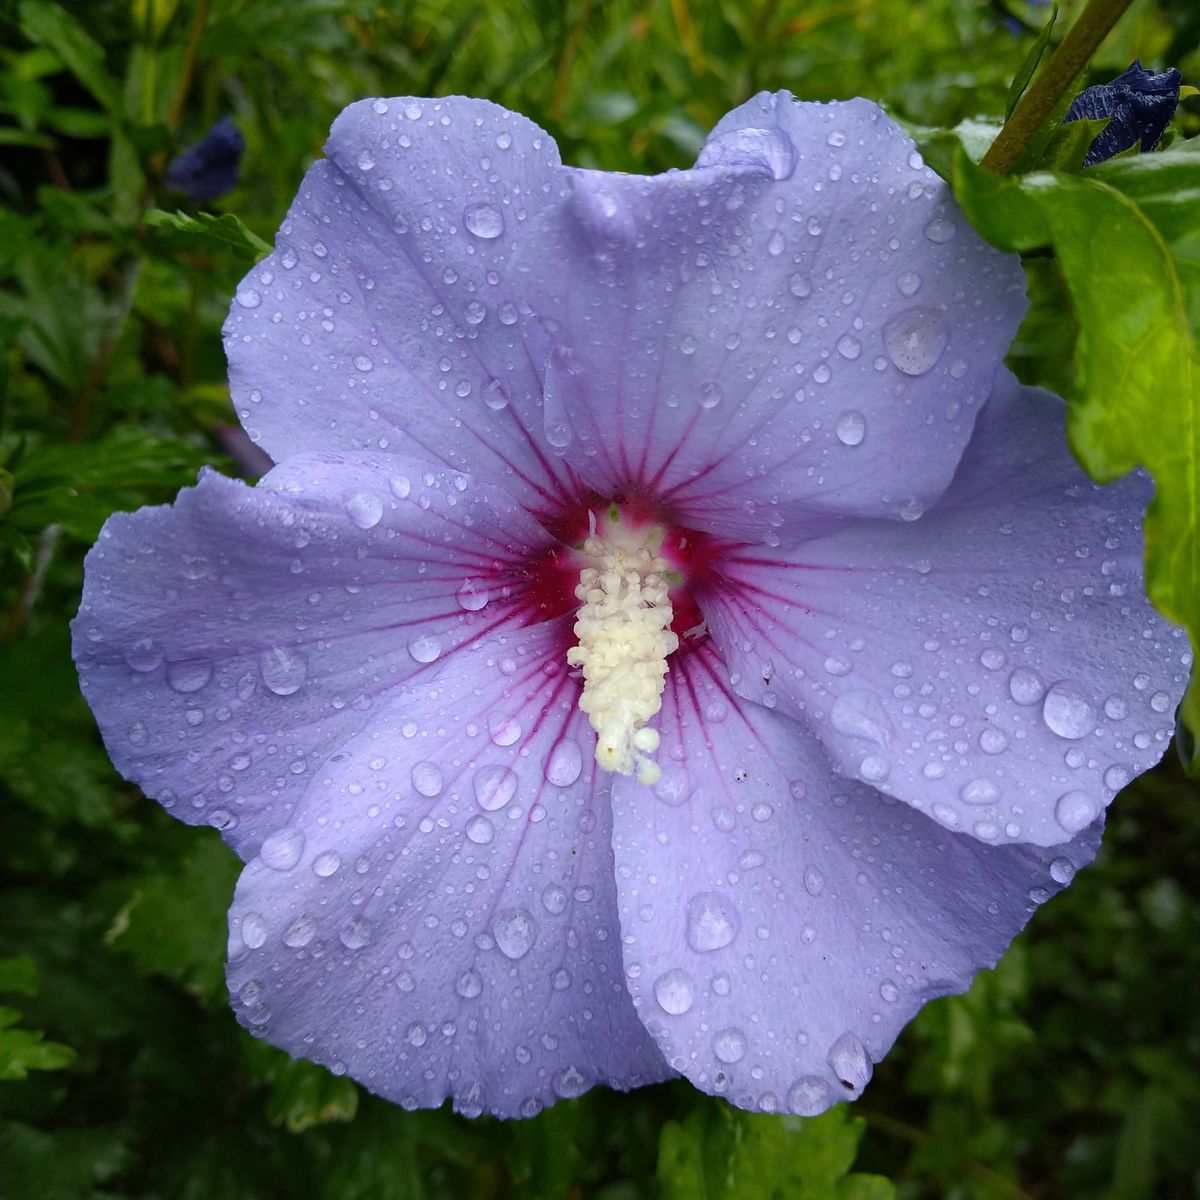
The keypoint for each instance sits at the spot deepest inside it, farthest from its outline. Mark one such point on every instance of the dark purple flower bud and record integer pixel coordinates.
(1140, 104)
(209, 168)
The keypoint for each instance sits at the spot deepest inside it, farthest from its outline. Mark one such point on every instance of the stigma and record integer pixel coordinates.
(623, 632)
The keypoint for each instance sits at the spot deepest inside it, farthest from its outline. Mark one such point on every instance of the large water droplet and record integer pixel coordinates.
(282, 849)
(472, 596)
(483, 221)
(189, 676)
(515, 932)
(480, 830)
(849, 1062)
(674, 992)
(425, 649)
(254, 930)
(469, 984)
(1074, 811)
(1067, 712)
(282, 670)
(365, 509)
(712, 922)
(144, 655)
(326, 864)
(1025, 686)
(729, 1045)
(814, 881)
(494, 787)
(427, 778)
(915, 339)
(940, 230)
(808, 1096)
(851, 428)
(979, 791)
(564, 763)
(569, 1084)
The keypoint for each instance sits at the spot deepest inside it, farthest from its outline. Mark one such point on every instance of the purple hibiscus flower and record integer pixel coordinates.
(671, 641)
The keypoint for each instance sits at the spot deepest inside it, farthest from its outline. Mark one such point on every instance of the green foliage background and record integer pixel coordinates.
(1073, 1069)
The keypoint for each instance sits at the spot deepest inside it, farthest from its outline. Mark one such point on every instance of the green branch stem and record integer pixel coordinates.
(1057, 79)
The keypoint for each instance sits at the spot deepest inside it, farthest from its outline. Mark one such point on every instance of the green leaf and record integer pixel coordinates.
(1134, 296)
(723, 1153)
(78, 486)
(173, 921)
(206, 233)
(49, 25)
(303, 1094)
(25, 1050)
(1029, 64)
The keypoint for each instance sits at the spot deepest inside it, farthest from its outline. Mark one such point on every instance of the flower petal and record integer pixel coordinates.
(388, 316)
(781, 925)
(230, 643)
(995, 663)
(803, 323)
(447, 925)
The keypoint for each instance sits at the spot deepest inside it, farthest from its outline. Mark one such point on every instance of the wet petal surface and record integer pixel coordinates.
(996, 663)
(781, 925)
(803, 324)
(389, 316)
(447, 926)
(229, 643)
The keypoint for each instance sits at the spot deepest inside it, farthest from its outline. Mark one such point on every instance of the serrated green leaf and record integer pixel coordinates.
(1030, 64)
(49, 25)
(78, 486)
(206, 233)
(723, 1153)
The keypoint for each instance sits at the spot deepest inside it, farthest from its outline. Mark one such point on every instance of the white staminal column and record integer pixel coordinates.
(624, 636)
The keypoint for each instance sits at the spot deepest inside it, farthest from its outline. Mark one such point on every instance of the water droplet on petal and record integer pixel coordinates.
(849, 1062)
(569, 1084)
(301, 931)
(326, 864)
(940, 231)
(674, 992)
(808, 1096)
(425, 649)
(427, 778)
(365, 509)
(144, 655)
(979, 791)
(908, 283)
(483, 221)
(480, 830)
(915, 339)
(515, 932)
(851, 428)
(729, 1045)
(1062, 870)
(254, 930)
(814, 880)
(1074, 811)
(712, 922)
(1067, 712)
(1025, 686)
(564, 763)
(554, 898)
(283, 670)
(282, 849)
(189, 676)
(494, 787)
